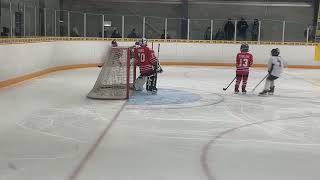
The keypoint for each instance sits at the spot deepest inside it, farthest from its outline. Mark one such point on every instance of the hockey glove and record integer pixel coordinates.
(159, 69)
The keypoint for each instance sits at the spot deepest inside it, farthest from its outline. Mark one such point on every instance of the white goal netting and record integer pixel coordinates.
(117, 76)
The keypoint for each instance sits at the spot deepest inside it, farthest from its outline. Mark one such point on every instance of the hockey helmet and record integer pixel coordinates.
(275, 52)
(114, 43)
(244, 48)
(138, 43)
(144, 42)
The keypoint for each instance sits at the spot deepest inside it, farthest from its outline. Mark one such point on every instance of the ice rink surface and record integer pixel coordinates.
(192, 130)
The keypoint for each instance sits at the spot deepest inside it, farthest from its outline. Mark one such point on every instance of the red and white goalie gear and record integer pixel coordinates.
(146, 60)
(140, 81)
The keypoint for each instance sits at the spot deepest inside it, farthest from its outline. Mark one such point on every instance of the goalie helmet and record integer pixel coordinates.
(144, 42)
(114, 43)
(244, 48)
(275, 52)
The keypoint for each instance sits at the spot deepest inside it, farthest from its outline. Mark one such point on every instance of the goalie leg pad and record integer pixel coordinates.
(138, 86)
(152, 82)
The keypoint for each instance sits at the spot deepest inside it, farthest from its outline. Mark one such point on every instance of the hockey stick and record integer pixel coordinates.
(230, 83)
(259, 83)
(158, 52)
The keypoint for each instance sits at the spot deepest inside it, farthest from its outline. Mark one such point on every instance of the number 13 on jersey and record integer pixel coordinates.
(244, 63)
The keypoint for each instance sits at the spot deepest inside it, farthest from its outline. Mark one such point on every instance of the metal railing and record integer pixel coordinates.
(32, 21)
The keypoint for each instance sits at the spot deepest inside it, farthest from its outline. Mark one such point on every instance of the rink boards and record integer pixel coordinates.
(25, 59)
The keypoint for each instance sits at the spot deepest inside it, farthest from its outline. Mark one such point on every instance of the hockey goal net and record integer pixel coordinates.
(117, 76)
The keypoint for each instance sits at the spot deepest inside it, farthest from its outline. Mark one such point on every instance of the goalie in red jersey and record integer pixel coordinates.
(243, 63)
(147, 62)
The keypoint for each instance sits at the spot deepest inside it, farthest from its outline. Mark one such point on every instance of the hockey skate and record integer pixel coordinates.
(154, 92)
(263, 93)
(236, 90)
(271, 92)
(244, 91)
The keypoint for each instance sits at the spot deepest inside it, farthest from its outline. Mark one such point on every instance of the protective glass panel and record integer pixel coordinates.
(177, 28)
(76, 24)
(133, 26)
(49, 22)
(94, 25)
(62, 23)
(5, 19)
(295, 32)
(155, 28)
(41, 21)
(271, 30)
(17, 19)
(200, 29)
(112, 26)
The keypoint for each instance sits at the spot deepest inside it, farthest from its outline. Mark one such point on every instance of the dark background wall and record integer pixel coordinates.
(297, 18)
(34, 20)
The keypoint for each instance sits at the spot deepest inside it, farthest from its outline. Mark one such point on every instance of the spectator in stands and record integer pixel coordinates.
(219, 35)
(163, 35)
(242, 27)
(255, 30)
(133, 34)
(75, 32)
(5, 32)
(207, 34)
(116, 34)
(229, 30)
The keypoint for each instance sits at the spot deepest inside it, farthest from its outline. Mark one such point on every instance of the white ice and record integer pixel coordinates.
(48, 129)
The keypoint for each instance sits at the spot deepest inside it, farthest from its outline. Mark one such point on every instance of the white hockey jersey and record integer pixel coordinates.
(276, 65)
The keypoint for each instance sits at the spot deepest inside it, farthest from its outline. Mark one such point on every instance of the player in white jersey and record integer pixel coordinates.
(275, 68)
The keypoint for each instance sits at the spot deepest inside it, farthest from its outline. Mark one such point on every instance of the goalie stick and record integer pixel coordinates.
(158, 68)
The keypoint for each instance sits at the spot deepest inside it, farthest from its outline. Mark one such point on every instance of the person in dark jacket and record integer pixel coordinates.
(219, 35)
(242, 27)
(5, 32)
(133, 34)
(207, 34)
(163, 35)
(229, 30)
(115, 34)
(255, 30)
